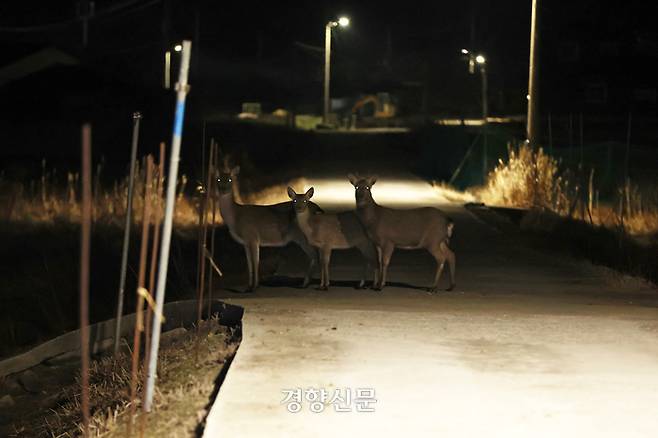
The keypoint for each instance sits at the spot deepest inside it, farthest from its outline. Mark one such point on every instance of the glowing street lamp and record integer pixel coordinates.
(167, 66)
(341, 22)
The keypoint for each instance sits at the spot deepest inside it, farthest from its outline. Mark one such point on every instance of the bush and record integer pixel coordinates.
(529, 178)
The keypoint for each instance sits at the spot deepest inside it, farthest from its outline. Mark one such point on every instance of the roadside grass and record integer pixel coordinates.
(189, 365)
(53, 199)
(559, 209)
(531, 179)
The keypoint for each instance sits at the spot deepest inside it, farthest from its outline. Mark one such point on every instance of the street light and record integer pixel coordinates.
(481, 61)
(342, 22)
(167, 66)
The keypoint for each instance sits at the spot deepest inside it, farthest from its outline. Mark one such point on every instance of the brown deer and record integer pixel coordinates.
(255, 226)
(415, 228)
(327, 232)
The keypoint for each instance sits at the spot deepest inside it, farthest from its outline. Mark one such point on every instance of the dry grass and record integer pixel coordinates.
(50, 199)
(529, 178)
(532, 179)
(185, 383)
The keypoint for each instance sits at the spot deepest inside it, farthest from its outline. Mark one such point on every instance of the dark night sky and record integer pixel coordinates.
(263, 51)
(250, 48)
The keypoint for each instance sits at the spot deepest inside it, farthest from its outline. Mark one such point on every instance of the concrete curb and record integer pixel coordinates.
(101, 335)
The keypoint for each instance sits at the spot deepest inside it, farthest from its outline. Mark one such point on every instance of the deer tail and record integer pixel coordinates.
(450, 227)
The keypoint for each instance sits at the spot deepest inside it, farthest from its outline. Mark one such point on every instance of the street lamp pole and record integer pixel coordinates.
(342, 22)
(481, 62)
(485, 115)
(533, 109)
(327, 70)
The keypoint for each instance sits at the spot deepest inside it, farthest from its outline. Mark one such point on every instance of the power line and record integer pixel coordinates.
(116, 9)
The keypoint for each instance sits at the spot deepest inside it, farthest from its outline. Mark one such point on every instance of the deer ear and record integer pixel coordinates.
(291, 193)
(235, 171)
(309, 193)
(372, 180)
(353, 178)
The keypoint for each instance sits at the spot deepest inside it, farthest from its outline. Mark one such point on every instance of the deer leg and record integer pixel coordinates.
(255, 260)
(370, 261)
(440, 257)
(378, 280)
(325, 258)
(250, 267)
(450, 256)
(387, 252)
(312, 255)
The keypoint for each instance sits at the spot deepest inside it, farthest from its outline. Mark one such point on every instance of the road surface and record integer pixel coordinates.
(528, 345)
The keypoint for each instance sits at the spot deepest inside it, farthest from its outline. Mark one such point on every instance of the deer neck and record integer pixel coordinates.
(367, 210)
(304, 221)
(227, 208)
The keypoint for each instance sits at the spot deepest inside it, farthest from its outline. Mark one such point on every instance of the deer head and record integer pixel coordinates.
(225, 179)
(362, 186)
(300, 202)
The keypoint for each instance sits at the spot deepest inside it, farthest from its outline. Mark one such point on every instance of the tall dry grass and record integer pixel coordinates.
(52, 198)
(530, 178)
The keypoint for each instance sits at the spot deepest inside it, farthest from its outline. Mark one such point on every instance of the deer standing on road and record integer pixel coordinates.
(327, 232)
(254, 226)
(415, 228)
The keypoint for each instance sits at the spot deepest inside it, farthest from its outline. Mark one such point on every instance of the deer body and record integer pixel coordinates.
(256, 226)
(327, 232)
(427, 228)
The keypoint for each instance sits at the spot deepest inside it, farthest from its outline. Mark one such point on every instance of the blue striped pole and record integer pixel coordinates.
(181, 92)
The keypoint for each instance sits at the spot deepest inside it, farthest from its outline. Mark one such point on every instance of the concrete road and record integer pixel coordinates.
(528, 345)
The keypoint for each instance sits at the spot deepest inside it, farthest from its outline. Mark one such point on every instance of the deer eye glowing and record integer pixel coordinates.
(230, 180)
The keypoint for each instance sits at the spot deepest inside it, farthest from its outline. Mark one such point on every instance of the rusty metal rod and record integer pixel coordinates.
(154, 261)
(154, 251)
(141, 283)
(85, 243)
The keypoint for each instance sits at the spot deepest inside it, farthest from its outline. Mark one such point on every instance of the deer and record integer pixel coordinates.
(256, 226)
(389, 228)
(327, 232)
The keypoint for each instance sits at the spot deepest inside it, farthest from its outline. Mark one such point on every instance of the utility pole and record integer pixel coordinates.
(327, 71)
(485, 116)
(481, 62)
(533, 76)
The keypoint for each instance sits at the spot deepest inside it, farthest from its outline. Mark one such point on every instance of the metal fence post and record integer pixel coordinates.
(126, 232)
(182, 89)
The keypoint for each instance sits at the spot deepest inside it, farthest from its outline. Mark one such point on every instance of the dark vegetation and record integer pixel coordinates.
(602, 246)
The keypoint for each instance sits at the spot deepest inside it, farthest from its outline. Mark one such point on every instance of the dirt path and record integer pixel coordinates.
(529, 344)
